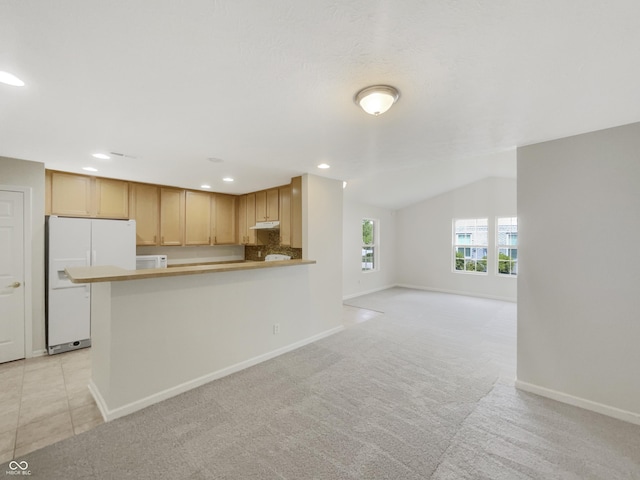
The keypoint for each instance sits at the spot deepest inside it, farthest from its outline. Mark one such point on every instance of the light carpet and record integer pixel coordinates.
(423, 391)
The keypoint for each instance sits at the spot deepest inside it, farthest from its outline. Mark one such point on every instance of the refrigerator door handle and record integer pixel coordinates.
(88, 256)
(93, 257)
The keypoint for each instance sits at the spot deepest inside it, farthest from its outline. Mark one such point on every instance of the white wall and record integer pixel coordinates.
(579, 283)
(355, 281)
(322, 241)
(31, 174)
(424, 239)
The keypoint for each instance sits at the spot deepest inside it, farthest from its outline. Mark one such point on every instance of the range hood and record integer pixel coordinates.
(266, 226)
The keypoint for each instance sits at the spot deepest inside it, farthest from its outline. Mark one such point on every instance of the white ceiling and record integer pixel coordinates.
(268, 86)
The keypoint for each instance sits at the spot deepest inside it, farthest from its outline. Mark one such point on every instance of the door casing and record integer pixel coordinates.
(28, 266)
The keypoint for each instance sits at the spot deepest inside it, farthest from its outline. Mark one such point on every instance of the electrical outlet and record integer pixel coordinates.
(276, 328)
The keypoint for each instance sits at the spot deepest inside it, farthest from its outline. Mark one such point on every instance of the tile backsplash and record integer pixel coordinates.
(272, 246)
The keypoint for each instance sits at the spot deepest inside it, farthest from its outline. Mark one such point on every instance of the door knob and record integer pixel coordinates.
(14, 285)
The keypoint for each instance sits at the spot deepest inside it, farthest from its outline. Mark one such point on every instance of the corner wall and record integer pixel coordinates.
(322, 241)
(578, 290)
(355, 281)
(424, 241)
(22, 173)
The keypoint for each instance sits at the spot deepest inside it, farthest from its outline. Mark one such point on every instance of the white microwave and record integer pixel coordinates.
(150, 261)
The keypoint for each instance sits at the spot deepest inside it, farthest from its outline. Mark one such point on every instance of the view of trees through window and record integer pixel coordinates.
(368, 244)
(470, 245)
(507, 243)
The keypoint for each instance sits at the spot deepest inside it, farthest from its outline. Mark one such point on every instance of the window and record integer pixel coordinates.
(369, 248)
(470, 245)
(507, 246)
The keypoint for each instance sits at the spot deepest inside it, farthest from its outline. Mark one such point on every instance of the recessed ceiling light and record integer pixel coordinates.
(101, 156)
(90, 169)
(205, 186)
(324, 165)
(10, 79)
(227, 179)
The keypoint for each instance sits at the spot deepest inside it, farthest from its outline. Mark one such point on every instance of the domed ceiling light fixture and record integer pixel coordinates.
(377, 99)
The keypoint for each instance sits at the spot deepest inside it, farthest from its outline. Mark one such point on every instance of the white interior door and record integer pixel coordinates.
(12, 293)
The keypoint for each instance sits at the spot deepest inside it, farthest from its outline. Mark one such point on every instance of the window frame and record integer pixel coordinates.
(506, 246)
(375, 245)
(471, 245)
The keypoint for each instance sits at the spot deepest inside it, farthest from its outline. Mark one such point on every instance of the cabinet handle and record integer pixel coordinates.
(162, 239)
(209, 239)
(215, 239)
(155, 238)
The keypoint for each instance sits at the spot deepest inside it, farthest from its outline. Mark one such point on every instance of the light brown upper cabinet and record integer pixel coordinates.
(47, 192)
(285, 215)
(111, 198)
(70, 194)
(144, 207)
(171, 216)
(198, 218)
(223, 219)
(267, 205)
(252, 238)
(246, 219)
(296, 212)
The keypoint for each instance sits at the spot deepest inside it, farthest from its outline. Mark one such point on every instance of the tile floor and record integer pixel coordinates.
(353, 315)
(44, 400)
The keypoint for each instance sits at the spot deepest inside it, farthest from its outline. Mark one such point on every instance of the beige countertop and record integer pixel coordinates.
(115, 274)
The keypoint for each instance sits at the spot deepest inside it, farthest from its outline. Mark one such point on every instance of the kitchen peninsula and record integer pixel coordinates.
(164, 334)
(157, 333)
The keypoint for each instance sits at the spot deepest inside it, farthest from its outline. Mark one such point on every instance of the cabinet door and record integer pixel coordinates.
(273, 205)
(242, 219)
(197, 218)
(112, 198)
(296, 212)
(171, 216)
(70, 194)
(251, 219)
(285, 215)
(261, 206)
(144, 207)
(47, 192)
(225, 219)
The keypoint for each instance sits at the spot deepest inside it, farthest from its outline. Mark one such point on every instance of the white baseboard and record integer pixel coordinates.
(607, 410)
(354, 295)
(458, 292)
(102, 406)
(111, 414)
(38, 353)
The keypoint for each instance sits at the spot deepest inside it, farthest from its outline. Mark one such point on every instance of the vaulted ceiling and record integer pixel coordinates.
(190, 92)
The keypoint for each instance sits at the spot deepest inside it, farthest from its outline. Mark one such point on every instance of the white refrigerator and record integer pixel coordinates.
(80, 242)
